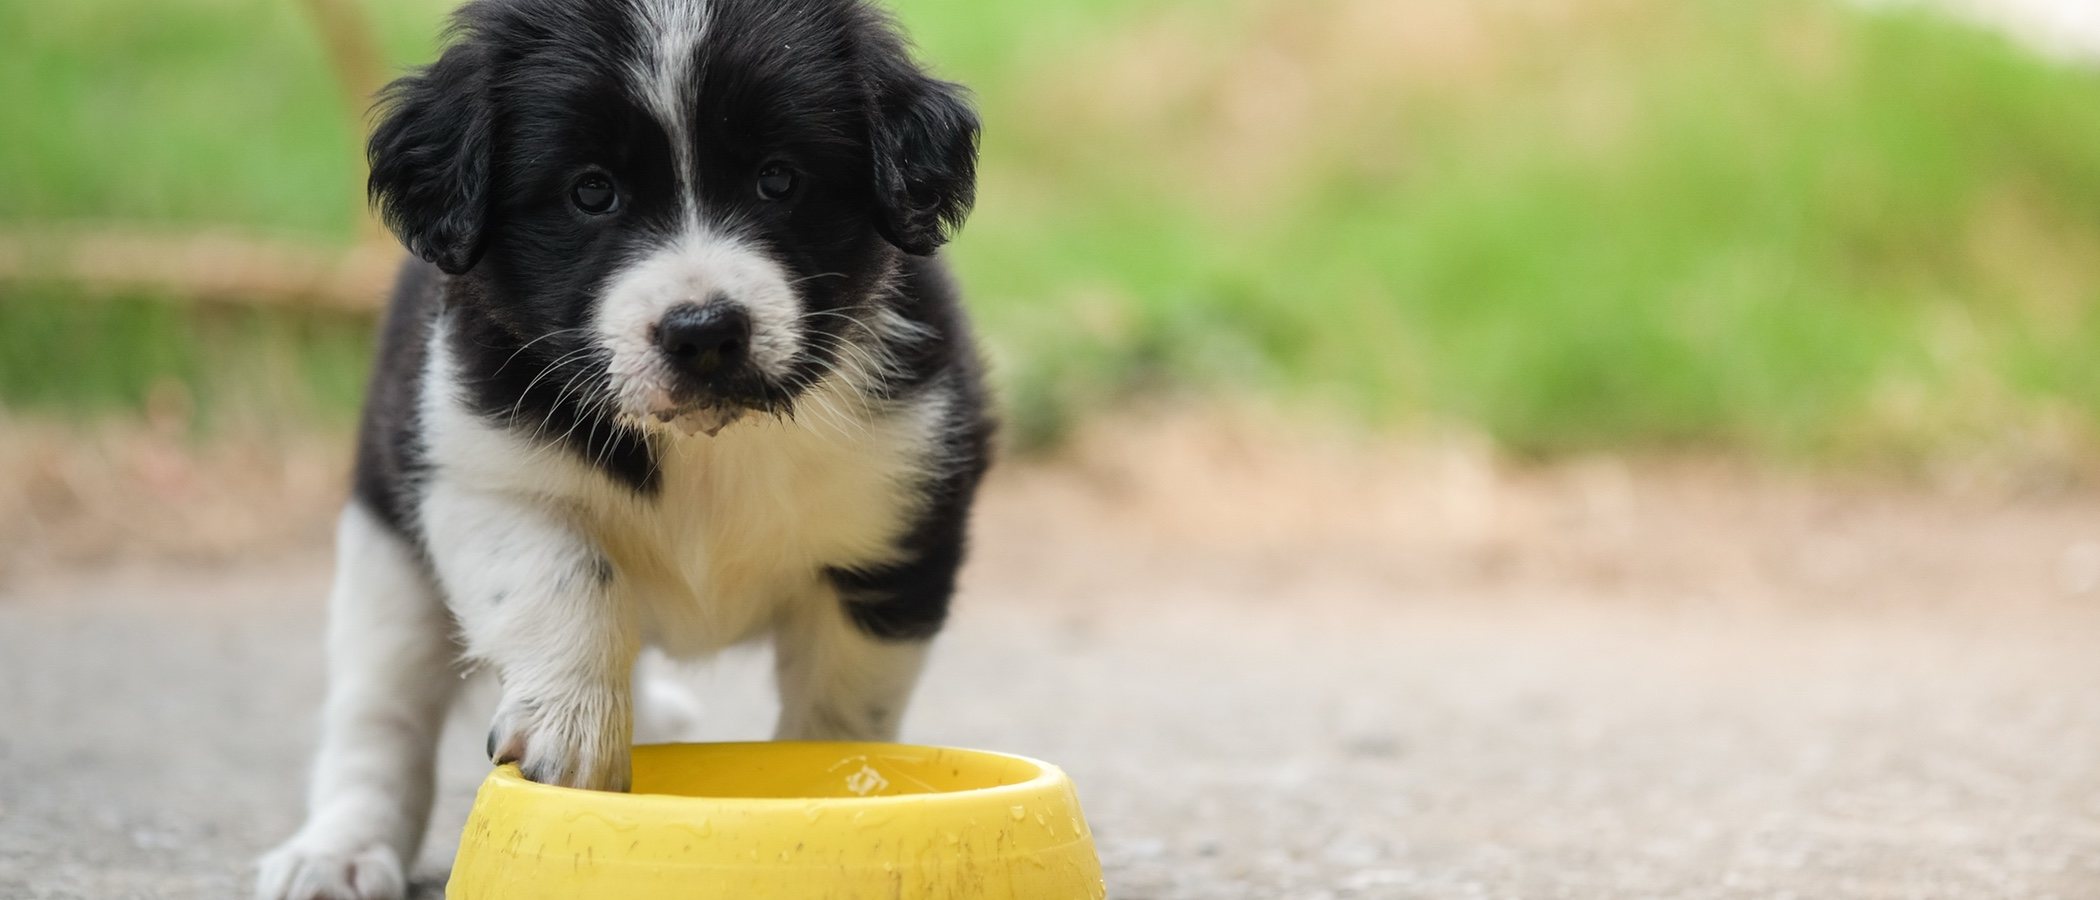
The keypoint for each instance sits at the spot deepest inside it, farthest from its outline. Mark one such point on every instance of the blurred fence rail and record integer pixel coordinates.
(220, 266)
(204, 267)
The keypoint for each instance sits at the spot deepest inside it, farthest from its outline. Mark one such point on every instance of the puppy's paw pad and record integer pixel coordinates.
(301, 871)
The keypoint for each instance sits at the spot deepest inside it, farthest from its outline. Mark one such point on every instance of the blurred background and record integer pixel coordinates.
(1863, 234)
(1521, 338)
(1800, 229)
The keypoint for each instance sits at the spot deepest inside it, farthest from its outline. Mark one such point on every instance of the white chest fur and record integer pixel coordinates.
(740, 525)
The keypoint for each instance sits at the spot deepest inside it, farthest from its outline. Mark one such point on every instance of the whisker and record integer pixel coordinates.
(817, 276)
(528, 345)
(553, 409)
(544, 372)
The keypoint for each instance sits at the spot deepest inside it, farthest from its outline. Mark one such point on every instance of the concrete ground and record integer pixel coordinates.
(1355, 672)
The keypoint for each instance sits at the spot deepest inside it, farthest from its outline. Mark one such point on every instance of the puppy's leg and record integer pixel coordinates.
(537, 600)
(390, 678)
(667, 704)
(838, 681)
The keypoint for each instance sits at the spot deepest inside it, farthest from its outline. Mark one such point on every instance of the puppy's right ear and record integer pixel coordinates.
(430, 158)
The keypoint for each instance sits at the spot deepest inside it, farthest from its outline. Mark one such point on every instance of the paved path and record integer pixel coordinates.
(1588, 684)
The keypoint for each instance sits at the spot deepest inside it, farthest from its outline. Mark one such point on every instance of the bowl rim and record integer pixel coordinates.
(1046, 777)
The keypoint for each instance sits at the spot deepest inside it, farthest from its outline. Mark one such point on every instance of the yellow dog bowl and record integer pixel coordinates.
(785, 821)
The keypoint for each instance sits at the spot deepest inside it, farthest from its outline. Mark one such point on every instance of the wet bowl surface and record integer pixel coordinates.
(785, 821)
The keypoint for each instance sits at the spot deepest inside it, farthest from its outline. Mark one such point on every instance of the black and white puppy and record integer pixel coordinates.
(677, 368)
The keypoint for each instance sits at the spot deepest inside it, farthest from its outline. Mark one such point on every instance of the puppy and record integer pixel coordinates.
(677, 367)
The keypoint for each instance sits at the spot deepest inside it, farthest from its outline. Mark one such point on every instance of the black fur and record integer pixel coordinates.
(430, 158)
(473, 159)
(908, 599)
(925, 150)
(390, 464)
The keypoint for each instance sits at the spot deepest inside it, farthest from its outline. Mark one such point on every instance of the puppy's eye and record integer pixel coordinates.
(776, 181)
(594, 194)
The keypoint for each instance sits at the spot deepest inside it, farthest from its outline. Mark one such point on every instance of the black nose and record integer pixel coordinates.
(705, 340)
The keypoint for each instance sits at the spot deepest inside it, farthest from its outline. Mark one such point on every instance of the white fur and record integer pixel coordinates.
(691, 268)
(663, 77)
(731, 546)
(524, 581)
(390, 678)
(835, 684)
(741, 521)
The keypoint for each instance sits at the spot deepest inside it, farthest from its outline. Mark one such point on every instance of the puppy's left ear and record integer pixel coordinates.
(925, 141)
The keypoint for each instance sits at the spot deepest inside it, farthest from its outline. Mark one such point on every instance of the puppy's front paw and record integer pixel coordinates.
(319, 866)
(578, 745)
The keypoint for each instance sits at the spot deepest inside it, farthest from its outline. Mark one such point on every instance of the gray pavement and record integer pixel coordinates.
(1306, 724)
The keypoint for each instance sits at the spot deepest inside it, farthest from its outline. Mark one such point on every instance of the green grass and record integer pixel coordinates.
(1784, 227)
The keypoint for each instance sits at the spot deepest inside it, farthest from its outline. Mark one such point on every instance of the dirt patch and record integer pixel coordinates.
(1270, 494)
(1428, 516)
(77, 494)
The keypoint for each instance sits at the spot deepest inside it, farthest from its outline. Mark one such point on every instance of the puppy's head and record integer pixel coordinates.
(688, 207)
